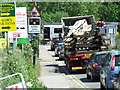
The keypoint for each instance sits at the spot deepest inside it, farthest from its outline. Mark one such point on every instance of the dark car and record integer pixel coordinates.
(116, 82)
(54, 43)
(94, 65)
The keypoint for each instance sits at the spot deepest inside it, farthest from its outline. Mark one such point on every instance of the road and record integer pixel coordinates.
(54, 73)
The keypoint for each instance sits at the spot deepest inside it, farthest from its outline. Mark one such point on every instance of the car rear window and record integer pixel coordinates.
(100, 58)
(117, 60)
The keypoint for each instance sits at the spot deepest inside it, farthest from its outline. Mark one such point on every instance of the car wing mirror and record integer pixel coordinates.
(115, 75)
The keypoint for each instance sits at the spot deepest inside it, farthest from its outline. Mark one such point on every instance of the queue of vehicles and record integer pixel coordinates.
(103, 66)
(83, 47)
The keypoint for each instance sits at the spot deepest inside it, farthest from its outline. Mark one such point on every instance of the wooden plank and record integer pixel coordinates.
(105, 38)
(87, 35)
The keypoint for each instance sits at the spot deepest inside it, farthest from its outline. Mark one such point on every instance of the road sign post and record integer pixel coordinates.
(34, 27)
(14, 44)
(34, 51)
(7, 42)
(7, 18)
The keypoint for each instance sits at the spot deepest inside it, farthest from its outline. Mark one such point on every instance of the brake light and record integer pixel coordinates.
(95, 65)
(111, 78)
(61, 52)
(113, 63)
(58, 48)
(53, 43)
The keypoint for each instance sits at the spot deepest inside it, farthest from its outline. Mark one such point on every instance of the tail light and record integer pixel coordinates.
(113, 63)
(111, 78)
(53, 43)
(61, 52)
(73, 58)
(95, 65)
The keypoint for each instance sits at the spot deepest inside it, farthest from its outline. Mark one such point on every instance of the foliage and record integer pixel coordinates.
(116, 41)
(18, 63)
(53, 11)
(21, 62)
(35, 44)
(53, 17)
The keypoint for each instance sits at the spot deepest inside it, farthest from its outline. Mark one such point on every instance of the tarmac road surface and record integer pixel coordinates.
(55, 75)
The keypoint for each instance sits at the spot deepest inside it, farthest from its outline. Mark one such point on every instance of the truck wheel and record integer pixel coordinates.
(69, 69)
(51, 49)
(88, 77)
(101, 86)
(92, 77)
(56, 55)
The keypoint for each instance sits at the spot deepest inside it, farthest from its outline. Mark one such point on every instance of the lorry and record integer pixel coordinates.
(51, 30)
(80, 40)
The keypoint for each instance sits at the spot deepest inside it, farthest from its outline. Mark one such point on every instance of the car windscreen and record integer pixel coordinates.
(100, 58)
(117, 60)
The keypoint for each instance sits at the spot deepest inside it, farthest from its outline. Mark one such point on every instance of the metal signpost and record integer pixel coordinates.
(7, 18)
(34, 27)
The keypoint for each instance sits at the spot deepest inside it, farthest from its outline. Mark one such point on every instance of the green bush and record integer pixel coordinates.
(116, 41)
(19, 62)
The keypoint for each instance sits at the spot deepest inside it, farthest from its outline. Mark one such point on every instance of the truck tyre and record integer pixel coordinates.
(92, 77)
(101, 86)
(88, 77)
(69, 69)
(52, 49)
(55, 55)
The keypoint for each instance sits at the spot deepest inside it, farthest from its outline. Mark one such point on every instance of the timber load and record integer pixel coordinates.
(81, 39)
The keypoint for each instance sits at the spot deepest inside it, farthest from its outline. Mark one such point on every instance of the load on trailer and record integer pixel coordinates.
(81, 39)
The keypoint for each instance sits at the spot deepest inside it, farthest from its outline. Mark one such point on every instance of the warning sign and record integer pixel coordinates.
(7, 16)
(34, 24)
(21, 24)
(34, 12)
(100, 24)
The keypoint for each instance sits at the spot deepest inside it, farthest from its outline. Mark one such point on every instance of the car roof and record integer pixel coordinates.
(101, 52)
(60, 43)
(117, 52)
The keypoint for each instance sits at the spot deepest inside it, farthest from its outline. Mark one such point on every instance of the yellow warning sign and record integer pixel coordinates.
(3, 43)
(7, 24)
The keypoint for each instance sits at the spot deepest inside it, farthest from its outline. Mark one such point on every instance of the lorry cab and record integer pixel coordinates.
(51, 30)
